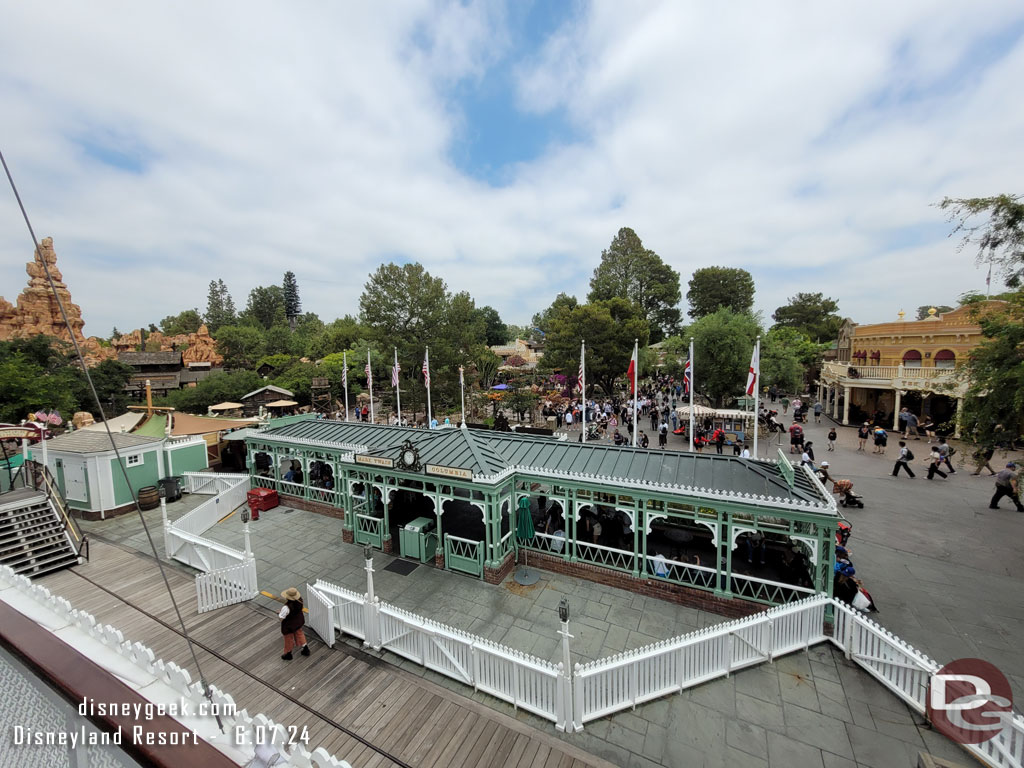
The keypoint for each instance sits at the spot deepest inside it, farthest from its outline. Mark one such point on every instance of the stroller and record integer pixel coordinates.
(847, 497)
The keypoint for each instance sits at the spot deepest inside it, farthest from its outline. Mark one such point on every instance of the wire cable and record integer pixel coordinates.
(117, 454)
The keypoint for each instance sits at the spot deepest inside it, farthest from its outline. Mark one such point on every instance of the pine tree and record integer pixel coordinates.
(220, 307)
(292, 305)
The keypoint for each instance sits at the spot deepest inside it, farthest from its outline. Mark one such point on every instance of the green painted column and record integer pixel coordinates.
(727, 529)
(636, 545)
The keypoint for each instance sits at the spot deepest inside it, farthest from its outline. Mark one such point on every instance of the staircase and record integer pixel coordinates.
(34, 538)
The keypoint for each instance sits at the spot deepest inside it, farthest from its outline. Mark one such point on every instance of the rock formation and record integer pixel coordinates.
(37, 311)
(198, 347)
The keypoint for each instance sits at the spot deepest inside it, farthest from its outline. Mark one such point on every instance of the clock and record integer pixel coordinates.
(409, 458)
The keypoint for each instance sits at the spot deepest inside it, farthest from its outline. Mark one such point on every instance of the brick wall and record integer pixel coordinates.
(497, 575)
(297, 502)
(662, 590)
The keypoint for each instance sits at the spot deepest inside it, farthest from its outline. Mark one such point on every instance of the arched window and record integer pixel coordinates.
(945, 358)
(911, 359)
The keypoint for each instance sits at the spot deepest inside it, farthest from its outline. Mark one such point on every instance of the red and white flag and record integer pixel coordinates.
(755, 370)
(369, 374)
(581, 383)
(395, 370)
(631, 373)
(426, 371)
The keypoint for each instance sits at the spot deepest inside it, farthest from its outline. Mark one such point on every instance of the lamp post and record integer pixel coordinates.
(567, 699)
(245, 531)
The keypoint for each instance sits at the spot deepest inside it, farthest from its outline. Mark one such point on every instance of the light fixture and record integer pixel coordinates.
(563, 609)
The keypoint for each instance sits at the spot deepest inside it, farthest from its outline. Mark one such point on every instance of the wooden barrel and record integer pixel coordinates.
(149, 497)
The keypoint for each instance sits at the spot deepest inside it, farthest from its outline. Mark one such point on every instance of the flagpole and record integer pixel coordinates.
(583, 387)
(429, 412)
(636, 383)
(369, 382)
(398, 389)
(692, 382)
(462, 390)
(757, 394)
(344, 358)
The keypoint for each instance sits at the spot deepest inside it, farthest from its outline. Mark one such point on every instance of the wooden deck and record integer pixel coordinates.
(358, 707)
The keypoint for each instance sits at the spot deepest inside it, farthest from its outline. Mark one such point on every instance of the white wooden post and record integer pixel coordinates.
(565, 717)
(370, 610)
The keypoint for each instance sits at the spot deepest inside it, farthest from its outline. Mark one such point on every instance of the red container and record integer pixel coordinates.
(262, 499)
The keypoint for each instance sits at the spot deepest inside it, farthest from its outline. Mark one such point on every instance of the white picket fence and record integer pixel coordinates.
(524, 681)
(226, 586)
(228, 575)
(627, 679)
(156, 678)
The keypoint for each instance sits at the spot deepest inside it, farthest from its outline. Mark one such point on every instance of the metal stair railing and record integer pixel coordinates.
(43, 480)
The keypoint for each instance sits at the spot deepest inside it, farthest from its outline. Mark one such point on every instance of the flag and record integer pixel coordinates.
(426, 372)
(755, 371)
(395, 370)
(462, 381)
(580, 384)
(631, 373)
(687, 377)
(344, 375)
(369, 374)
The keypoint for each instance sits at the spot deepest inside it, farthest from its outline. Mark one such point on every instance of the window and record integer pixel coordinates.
(945, 358)
(131, 461)
(912, 359)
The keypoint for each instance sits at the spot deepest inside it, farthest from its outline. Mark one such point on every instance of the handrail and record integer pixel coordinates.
(41, 475)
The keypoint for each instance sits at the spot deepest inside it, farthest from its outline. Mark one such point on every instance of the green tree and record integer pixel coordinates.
(628, 270)
(993, 409)
(999, 238)
(109, 378)
(337, 336)
(220, 307)
(183, 323)
(298, 378)
(487, 364)
(218, 387)
(542, 320)
(278, 340)
(609, 328)
(265, 307)
(940, 309)
(497, 331)
(241, 345)
(787, 356)
(723, 343)
(714, 288)
(290, 294)
(37, 374)
(812, 314)
(520, 401)
(513, 332)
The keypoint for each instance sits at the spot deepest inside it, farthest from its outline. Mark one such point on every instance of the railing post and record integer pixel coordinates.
(565, 720)
(371, 612)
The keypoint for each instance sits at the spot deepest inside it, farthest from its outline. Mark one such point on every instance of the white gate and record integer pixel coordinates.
(321, 615)
(227, 586)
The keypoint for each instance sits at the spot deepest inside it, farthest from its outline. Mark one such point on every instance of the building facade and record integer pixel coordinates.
(476, 502)
(884, 367)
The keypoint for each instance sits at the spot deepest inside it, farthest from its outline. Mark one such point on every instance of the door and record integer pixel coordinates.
(76, 488)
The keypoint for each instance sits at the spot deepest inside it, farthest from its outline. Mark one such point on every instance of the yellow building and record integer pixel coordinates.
(884, 367)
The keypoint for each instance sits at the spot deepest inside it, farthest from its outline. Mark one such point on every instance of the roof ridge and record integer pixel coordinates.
(474, 448)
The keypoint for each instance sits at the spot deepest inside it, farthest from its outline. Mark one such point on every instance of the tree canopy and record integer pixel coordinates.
(265, 307)
(497, 331)
(999, 238)
(220, 307)
(183, 323)
(542, 321)
(628, 270)
(723, 343)
(811, 314)
(714, 288)
(290, 295)
(609, 328)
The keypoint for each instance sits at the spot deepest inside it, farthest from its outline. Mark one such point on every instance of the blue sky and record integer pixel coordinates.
(503, 145)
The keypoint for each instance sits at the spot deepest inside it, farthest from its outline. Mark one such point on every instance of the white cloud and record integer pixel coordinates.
(790, 140)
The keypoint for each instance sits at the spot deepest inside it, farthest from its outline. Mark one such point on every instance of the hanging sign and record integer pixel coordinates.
(11, 432)
(375, 461)
(459, 472)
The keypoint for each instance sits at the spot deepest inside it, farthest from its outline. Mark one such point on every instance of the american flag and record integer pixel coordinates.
(395, 370)
(687, 375)
(426, 372)
(462, 381)
(344, 374)
(579, 377)
(369, 374)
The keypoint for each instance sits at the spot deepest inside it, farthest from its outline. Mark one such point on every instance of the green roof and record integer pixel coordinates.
(493, 455)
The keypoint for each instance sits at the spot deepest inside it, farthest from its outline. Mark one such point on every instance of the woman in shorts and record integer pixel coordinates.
(862, 435)
(881, 438)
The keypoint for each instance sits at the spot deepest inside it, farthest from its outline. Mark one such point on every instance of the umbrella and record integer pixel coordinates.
(500, 386)
(525, 530)
(226, 406)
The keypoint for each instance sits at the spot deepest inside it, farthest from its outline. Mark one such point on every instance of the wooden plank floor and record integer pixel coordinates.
(399, 716)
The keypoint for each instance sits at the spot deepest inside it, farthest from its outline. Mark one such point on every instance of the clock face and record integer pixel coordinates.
(409, 457)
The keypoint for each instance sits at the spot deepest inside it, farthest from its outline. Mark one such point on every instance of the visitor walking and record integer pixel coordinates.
(903, 461)
(934, 460)
(881, 439)
(1007, 484)
(796, 436)
(945, 451)
(912, 422)
(292, 622)
(982, 456)
(817, 413)
(662, 435)
(863, 433)
(832, 438)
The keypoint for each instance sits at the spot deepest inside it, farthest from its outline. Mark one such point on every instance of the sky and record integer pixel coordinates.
(502, 146)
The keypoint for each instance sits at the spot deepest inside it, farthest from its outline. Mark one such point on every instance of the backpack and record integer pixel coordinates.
(910, 455)
(952, 451)
(797, 430)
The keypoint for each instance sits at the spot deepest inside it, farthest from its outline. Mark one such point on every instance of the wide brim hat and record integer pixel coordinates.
(291, 594)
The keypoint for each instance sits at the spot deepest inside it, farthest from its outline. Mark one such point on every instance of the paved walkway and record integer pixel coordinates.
(939, 564)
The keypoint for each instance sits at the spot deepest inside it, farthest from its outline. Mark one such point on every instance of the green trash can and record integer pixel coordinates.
(418, 540)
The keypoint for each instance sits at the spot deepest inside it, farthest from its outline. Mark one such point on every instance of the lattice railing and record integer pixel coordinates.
(598, 554)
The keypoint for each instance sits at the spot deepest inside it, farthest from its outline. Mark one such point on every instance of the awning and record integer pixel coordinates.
(226, 406)
(281, 404)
